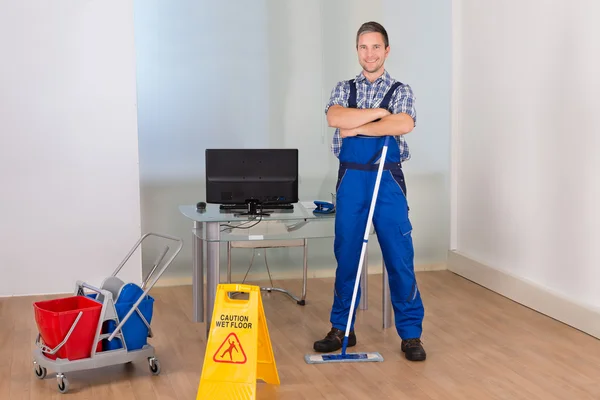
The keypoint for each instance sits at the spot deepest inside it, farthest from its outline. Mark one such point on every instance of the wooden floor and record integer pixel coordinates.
(480, 346)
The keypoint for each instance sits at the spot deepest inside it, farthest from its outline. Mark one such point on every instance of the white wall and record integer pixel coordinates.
(68, 159)
(196, 59)
(526, 141)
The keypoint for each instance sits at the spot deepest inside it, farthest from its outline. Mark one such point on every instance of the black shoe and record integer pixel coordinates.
(333, 341)
(413, 350)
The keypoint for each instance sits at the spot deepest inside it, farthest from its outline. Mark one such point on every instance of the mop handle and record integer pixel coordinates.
(365, 241)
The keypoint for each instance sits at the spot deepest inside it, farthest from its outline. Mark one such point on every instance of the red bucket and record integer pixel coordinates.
(54, 319)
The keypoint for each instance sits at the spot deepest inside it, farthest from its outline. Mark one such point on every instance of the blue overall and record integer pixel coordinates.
(359, 161)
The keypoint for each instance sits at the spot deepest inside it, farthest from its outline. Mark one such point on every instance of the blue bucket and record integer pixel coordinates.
(134, 330)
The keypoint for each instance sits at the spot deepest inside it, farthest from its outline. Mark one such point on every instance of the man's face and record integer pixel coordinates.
(372, 52)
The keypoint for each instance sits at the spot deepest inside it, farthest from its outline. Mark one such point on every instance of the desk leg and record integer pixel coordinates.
(387, 303)
(364, 283)
(198, 272)
(304, 273)
(212, 271)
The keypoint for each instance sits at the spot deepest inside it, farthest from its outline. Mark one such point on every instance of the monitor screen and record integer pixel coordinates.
(263, 176)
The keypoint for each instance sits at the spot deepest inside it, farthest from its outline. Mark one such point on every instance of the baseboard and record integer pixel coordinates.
(527, 293)
(431, 267)
(183, 280)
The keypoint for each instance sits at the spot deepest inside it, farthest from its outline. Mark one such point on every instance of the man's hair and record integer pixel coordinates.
(373, 27)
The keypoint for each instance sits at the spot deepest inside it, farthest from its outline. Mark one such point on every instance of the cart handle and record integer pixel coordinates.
(50, 351)
(162, 270)
(156, 264)
(140, 240)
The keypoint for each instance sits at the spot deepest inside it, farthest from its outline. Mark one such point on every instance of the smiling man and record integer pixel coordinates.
(364, 110)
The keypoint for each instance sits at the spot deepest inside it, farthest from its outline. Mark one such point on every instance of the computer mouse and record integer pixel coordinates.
(201, 206)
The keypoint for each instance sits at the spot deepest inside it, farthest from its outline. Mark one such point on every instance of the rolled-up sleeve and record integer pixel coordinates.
(404, 102)
(339, 95)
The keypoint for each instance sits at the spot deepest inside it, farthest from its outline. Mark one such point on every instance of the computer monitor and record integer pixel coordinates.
(252, 179)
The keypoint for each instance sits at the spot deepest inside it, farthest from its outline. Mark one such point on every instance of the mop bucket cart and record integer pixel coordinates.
(99, 327)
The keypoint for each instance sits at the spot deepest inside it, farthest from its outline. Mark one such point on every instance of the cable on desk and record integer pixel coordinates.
(240, 226)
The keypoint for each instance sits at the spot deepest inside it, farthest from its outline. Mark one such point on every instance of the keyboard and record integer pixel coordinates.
(264, 206)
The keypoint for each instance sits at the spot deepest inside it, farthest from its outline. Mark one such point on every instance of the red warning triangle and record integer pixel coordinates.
(230, 351)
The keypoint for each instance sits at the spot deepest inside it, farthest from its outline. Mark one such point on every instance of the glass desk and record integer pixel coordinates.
(214, 226)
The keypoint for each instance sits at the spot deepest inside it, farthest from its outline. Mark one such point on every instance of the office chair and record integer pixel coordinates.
(269, 244)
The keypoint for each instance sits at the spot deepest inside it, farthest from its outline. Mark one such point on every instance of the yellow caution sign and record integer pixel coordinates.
(239, 351)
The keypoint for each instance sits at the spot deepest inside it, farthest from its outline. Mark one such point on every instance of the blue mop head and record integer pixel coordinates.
(343, 357)
(350, 357)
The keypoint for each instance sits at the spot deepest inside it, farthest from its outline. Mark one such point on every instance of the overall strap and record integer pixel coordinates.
(352, 97)
(385, 103)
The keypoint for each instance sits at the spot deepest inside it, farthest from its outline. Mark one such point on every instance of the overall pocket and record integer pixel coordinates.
(405, 229)
(398, 176)
(341, 174)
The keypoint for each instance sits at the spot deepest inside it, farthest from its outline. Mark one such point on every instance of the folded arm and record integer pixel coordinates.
(401, 121)
(392, 125)
(350, 118)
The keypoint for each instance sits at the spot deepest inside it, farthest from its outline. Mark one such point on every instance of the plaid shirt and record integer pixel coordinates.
(370, 95)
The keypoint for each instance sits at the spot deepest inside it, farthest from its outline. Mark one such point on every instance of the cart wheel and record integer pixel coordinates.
(39, 371)
(154, 365)
(63, 383)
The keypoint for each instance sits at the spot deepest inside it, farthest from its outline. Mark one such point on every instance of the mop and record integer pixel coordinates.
(356, 357)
